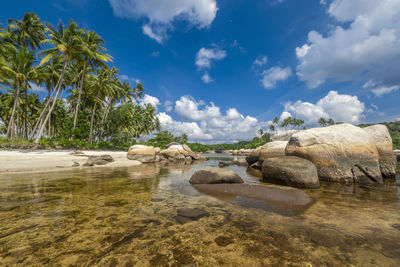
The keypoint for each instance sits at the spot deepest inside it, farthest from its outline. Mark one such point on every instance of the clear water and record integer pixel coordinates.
(128, 217)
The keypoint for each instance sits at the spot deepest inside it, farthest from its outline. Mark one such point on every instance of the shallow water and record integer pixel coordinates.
(128, 217)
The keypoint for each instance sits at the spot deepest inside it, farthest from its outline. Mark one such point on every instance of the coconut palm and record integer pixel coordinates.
(322, 121)
(18, 69)
(65, 43)
(29, 31)
(92, 54)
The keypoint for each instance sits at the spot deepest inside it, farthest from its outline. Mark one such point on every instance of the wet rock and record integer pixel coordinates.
(188, 214)
(237, 162)
(98, 160)
(290, 171)
(383, 141)
(341, 153)
(223, 241)
(215, 176)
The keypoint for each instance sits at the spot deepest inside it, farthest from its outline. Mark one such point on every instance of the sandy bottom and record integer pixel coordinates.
(43, 161)
(130, 217)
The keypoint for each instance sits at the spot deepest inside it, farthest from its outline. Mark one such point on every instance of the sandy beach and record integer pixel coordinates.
(44, 161)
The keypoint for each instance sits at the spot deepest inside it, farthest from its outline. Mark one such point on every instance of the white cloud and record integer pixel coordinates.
(148, 99)
(274, 75)
(128, 79)
(365, 46)
(260, 61)
(162, 13)
(379, 91)
(36, 88)
(341, 108)
(205, 56)
(206, 78)
(206, 123)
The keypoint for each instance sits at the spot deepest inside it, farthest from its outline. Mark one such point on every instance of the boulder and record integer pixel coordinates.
(97, 160)
(188, 214)
(144, 154)
(290, 171)
(383, 141)
(269, 150)
(215, 176)
(172, 144)
(341, 152)
(238, 162)
(283, 136)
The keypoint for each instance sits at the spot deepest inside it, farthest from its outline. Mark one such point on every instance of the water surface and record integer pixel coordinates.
(128, 217)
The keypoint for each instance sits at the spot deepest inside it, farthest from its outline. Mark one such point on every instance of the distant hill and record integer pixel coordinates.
(394, 130)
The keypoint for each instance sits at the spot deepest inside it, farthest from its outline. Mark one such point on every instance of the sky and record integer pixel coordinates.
(219, 70)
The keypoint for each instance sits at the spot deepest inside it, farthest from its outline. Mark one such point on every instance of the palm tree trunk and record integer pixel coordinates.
(26, 113)
(78, 103)
(10, 127)
(91, 124)
(40, 133)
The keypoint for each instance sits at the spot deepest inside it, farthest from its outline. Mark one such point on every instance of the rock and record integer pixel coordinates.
(290, 171)
(222, 164)
(284, 136)
(215, 176)
(341, 152)
(256, 166)
(98, 160)
(223, 241)
(383, 141)
(173, 144)
(284, 200)
(76, 164)
(144, 154)
(269, 150)
(187, 214)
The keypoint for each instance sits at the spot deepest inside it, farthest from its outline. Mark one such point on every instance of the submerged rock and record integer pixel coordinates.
(187, 214)
(383, 141)
(215, 176)
(341, 152)
(283, 200)
(290, 171)
(223, 241)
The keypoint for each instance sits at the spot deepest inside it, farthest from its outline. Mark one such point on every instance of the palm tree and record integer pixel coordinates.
(322, 121)
(91, 54)
(18, 69)
(29, 33)
(261, 132)
(330, 122)
(102, 85)
(65, 43)
(272, 128)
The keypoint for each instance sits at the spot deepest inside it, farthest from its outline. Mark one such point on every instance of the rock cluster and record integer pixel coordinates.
(340, 152)
(174, 153)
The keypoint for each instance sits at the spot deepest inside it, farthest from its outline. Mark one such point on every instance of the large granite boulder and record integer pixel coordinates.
(97, 160)
(142, 153)
(383, 141)
(215, 176)
(340, 152)
(269, 150)
(290, 171)
(283, 136)
(180, 152)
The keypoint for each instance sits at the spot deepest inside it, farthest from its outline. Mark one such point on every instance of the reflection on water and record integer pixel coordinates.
(128, 217)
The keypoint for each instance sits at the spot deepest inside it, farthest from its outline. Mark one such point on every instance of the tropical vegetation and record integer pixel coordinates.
(86, 102)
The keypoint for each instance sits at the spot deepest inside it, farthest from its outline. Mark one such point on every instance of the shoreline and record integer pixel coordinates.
(19, 161)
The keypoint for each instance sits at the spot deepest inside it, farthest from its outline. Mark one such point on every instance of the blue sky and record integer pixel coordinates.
(219, 70)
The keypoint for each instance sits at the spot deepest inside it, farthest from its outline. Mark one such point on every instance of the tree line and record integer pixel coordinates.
(66, 61)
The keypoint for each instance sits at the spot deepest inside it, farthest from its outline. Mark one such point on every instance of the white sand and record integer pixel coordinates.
(38, 161)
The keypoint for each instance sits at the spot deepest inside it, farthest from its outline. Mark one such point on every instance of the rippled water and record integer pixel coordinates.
(128, 217)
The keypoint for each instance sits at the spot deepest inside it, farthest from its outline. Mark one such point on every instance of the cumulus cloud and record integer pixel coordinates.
(206, 56)
(128, 79)
(341, 108)
(148, 99)
(273, 75)
(364, 46)
(162, 13)
(206, 123)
